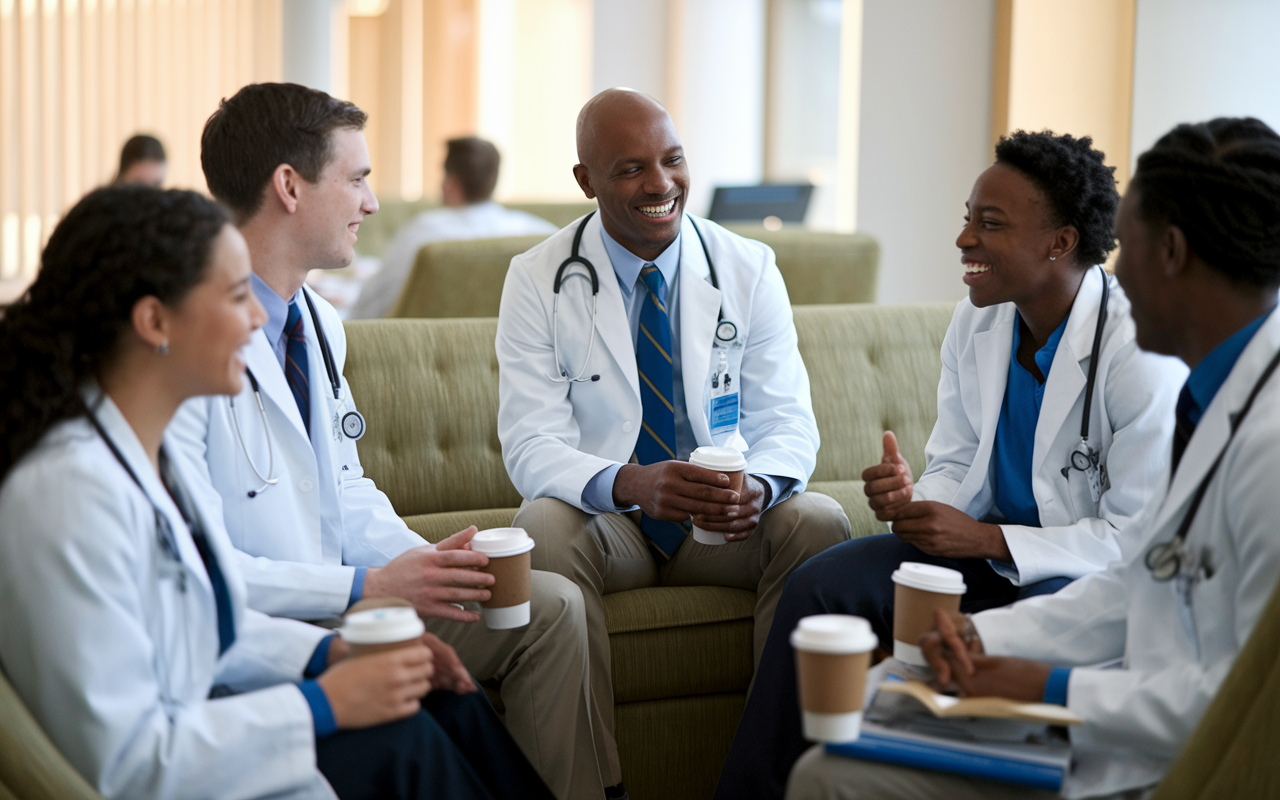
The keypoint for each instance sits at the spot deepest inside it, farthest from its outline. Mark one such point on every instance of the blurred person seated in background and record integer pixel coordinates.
(470, 212)
(142, 160)
(126, 633)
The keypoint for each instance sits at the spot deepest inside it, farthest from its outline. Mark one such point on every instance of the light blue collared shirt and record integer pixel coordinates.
(597, 496)
(277, 309)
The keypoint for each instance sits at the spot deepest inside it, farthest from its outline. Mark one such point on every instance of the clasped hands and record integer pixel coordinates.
(960, 665)
(677, 490)
(935, 528)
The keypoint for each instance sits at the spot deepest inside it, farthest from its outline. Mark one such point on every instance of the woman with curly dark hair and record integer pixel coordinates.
(124, 610)
(1052, 433)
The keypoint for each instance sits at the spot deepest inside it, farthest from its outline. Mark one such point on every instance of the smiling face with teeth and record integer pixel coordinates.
(1013, 250)
(633, 165)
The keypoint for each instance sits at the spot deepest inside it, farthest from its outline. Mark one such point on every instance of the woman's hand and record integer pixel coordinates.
(955, 653)
(946, 532)
(888, 485)
(378, 688)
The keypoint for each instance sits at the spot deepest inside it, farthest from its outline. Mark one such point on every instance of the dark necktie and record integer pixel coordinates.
(657, 441)
(1183, 427)
(296, 371)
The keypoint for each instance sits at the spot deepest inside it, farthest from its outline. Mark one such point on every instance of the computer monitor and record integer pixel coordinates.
(788, 202)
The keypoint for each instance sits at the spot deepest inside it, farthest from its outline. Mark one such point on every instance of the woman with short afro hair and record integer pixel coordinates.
(1014, 495)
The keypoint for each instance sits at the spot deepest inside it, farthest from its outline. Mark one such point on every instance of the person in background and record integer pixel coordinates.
(142, 160)
(314, 534)
(125, 631)
(995, 502)
(1199, 231)
(470, 212)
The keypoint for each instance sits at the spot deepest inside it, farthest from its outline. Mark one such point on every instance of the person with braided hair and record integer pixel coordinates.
(1199, 231)
(1048, 441)
(125, 632)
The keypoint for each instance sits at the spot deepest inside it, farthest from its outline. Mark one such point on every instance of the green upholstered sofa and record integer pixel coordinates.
(682, 655)
(464, 278)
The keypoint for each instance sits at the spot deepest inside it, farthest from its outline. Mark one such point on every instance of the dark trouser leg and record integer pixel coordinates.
(411, 759)
(850, 578)
(479, 734)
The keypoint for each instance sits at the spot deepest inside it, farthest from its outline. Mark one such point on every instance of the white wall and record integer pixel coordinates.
(924, 137)
(1199, 59)
(630, 46)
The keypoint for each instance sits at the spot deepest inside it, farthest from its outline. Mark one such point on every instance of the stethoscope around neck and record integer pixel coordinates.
(725, 331)
(1085, 457)
(352, 423)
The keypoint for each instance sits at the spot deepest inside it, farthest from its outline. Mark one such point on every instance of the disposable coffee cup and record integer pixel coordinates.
(919, 590)
(731, 462)
(384, 627)
(509, 555)
(833, 652)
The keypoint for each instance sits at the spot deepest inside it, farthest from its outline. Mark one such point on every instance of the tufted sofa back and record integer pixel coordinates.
(429, 388)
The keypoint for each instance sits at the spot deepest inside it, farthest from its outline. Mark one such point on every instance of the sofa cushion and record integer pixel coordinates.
(460, 279)
(821, 266)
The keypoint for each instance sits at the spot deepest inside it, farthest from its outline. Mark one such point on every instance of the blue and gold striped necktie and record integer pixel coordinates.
(296, 368)
(657, 441)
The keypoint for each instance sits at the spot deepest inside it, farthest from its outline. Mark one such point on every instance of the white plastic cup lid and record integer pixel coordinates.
(502, 542)
(928, 578)
(722, 459)
(834, 634)
(382, 625)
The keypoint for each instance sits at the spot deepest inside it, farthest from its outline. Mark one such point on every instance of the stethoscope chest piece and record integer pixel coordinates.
(353, 424)
(1165, 560)
(726, 331)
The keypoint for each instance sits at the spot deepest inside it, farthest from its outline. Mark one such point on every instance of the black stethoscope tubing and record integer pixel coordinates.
(1087, 456)
(575, 258)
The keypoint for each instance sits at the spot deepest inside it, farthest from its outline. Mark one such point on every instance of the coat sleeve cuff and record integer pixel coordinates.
(321, 711)
(319, 659)
(357, 586)
(1055, 689)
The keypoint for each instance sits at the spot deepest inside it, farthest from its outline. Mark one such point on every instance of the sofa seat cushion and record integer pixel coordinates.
(676, 641)
(853, 500)
(441, 525)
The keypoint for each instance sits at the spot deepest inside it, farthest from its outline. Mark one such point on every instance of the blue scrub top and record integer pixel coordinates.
(1016, 431)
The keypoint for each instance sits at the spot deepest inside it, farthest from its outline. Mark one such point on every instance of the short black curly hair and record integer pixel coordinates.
(1080, 188)
(1219, 182)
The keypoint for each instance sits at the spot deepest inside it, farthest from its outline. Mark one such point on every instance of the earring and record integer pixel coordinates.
(1053, 258)
(163, 349)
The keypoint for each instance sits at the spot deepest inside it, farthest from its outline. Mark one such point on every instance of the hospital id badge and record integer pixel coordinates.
(724, 414)
(1097, 479)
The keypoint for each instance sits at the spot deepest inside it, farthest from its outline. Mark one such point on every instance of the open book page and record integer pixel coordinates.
(946, 706)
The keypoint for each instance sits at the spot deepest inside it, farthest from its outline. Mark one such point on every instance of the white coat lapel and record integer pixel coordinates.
(611, 315)
(262, 360)
(1066, 378)
(1215, 426)
(699, 311)
(991, 350)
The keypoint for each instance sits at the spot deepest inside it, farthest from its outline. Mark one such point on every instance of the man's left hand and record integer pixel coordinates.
(741, 520)
(940, 530)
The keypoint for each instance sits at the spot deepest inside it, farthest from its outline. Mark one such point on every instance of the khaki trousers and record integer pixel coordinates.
(543, 672)
(818, 776)
(606, 553)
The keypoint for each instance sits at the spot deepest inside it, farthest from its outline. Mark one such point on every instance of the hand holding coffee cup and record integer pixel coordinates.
(380, 624)
(731, 462)
(510, 564)
(833, 653)
(919, 591)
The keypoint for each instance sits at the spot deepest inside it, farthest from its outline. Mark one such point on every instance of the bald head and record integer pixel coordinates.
(631, 162)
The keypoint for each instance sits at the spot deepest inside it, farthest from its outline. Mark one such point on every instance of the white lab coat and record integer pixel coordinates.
(1131, 427)
(114, 661)
(1176, 653)
(557, 436)
(476, 221)
(295, 537)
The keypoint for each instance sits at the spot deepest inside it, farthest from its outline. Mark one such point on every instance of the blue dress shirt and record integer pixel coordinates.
(597, 495)
(277, 309)
(1207, 378)
(1016, 431)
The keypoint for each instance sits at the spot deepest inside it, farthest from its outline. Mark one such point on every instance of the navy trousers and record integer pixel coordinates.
(850, 578)
(455, 747)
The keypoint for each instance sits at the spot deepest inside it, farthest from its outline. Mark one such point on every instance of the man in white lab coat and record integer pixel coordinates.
(678, 336)
(470, 212)
(314, 534)
(1200, 261)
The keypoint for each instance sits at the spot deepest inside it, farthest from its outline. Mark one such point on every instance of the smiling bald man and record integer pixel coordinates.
(666, 333)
